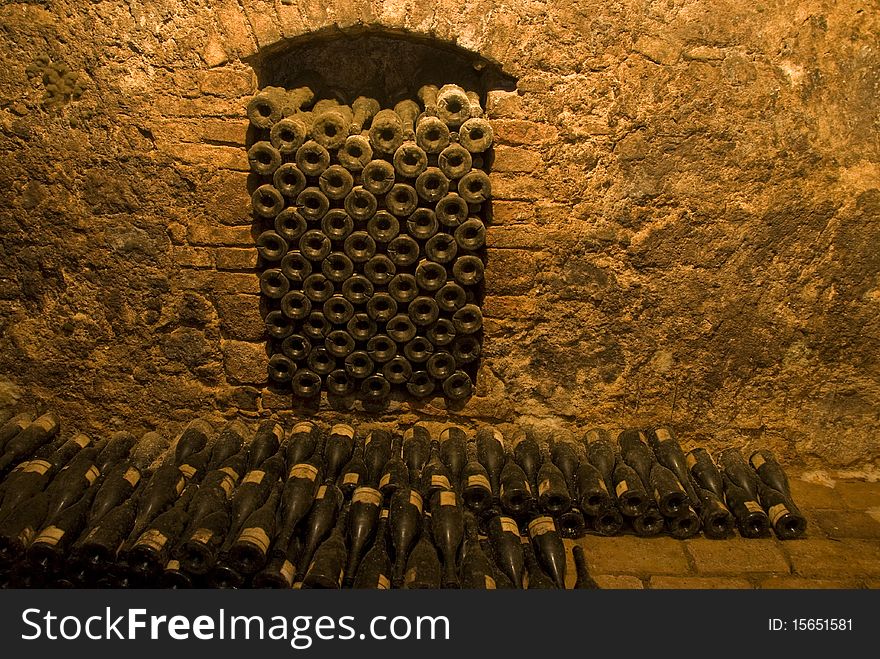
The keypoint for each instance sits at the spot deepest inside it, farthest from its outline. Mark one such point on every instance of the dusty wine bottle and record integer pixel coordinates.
(266, 442)
(474, 484)
(703, 470)
(47, 551)
(301, 443)
(263, 158)
(515, 493)
(631, 494)
(685, 524)
(409, 160)
(423, 568)
(198, 552)
(571, 523)
(477, 570)
(738, 471)
(405, 525)
(150, 551)
(327, 568)
(12, 427)
(717, 521)
(386, 132)
(394, 472)
(26, 442)
(374, 570)
(549, 548)
(163, 488)
(454, 161)
(250, 550)
(468, 270)
(354, 473)
(669, 454)
(751, 519)
(476, 135)
(527, 455)
(447, 530)
(297, 497)
(378, 177)
(250, 494)
(312, 158)
(475, 187)
(787, 521)
(536, 577)
(281, 568)
(670, 496)
(118, 485)
(490, 454)
(649, 522)
(337, 225)
(289, 134)
(366, 504)
(434, 475)
(320, 522)
(584, 580)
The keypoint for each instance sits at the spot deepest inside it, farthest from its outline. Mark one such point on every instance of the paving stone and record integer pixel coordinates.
(632, 555)
(795, 583)
(846, 523)
(859, 495)
(618, 582)
(810, 496)
(737, 556)
(703, 583)
(834, 558)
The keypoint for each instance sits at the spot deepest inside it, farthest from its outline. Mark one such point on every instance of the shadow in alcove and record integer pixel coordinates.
(388, 67)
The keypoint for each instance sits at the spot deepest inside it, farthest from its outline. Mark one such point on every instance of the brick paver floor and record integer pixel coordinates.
(840, 550)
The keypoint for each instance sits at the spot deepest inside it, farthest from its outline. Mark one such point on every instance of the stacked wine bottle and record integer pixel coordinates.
(373, 240)
(315, 509)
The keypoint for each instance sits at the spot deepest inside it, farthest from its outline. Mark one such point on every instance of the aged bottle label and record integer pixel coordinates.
(367, 495)
(754, 507)
(690, 459)
(132, 475)
(368, 439)
(202, 536)
(444, 435)
(777, 512)
(321, 492)
(447, 498)
(278, 431)
(154, 539)
(172, 565)
(256, 536)
(383, 583)
(304, 470)
(37, 466)
(302, 426)
(621, 487)
(227, 484)
(26, 536)
(490, 582)
(478, 480)
(254, 476)
(411, 575)
(92, 473)
(509, 526)
(662, 434)
(383, 514)
(180, 485)
(45, 422)
(415, 499)
(543, 486)
(386, 478)
(287, 571)
(229, 471)
(187, 470)
(541, 525)
(757, 461)
(343, 429)
(439, 480)
(51, 535)
(351, 478)
(82, 440)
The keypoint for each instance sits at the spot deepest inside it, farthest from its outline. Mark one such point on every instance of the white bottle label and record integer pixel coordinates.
(254, 476)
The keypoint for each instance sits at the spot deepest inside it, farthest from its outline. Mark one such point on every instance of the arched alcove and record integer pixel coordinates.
(392, 69)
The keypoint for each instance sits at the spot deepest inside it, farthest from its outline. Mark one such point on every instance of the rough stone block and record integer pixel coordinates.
(222, 157)
(511, 212)
(515, 159)
(193, 257)
(236, 28)
(518, 188)
(203, 233)
(290, 20)
(225, 198)
(510, 272)
(276, 400)
(519, 236)
(227, 82)
(233, 258)
(240, 317)
(245, 363)
(220, 282)
(521, 132)
(517, 306)
(737, 556)
(502, 104)
(633, 555)
(261, 16)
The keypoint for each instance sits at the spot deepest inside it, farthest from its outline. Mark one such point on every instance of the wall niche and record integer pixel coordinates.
(370, 193)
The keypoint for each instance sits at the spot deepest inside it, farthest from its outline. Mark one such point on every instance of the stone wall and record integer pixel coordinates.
(685, 229)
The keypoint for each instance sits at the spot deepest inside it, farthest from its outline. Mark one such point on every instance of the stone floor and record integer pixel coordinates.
(840, 550)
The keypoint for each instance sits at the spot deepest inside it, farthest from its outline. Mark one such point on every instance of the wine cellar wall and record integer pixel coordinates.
(682, 227)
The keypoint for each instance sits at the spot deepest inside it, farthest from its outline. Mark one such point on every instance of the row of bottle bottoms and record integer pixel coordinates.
(230, 513)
